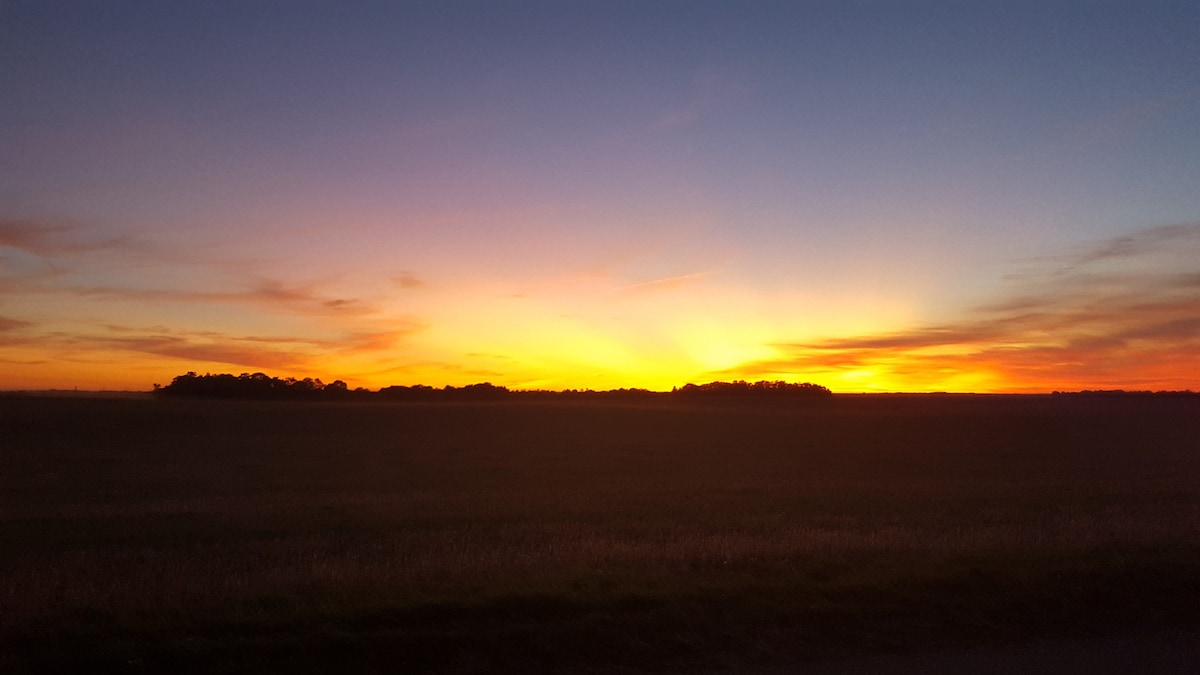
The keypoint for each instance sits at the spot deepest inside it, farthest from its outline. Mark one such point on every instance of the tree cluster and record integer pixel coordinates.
(264, 387)
(761, 388)
(255, 386)
(483, 391)
(1116, 393)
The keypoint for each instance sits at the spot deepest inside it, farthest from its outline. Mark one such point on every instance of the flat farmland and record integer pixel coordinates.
(152, 535)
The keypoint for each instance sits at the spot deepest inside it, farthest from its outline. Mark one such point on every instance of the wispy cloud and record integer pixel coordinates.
(47, 239)
(271, 295)
(7, 324)
(299, 325)
(234, 352)
(443, 367)
(407, 280)
(1165, 239)
(60, 259)
(25, 235)
(250, 351)
(711, 92)
(1110, 315)
(662, 285)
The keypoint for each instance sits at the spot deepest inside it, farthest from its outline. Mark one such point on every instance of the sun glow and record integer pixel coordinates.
(593, 330)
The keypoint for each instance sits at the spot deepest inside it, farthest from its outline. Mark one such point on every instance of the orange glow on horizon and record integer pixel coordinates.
(597, 362)
(410, 213)
(601, 331)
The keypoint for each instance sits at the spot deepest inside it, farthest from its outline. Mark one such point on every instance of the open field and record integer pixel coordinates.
(164, 535)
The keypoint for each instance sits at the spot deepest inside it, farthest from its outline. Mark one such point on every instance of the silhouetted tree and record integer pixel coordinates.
(263, 386)
(762, 388)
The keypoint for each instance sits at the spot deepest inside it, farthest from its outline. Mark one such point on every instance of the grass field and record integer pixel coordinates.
(148, 535)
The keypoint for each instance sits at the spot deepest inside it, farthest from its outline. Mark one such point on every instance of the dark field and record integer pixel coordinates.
(166, 536)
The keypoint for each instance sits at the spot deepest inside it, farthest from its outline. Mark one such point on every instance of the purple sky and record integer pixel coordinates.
(597, 193)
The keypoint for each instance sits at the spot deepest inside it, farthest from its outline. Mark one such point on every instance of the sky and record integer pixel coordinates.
(871, 196)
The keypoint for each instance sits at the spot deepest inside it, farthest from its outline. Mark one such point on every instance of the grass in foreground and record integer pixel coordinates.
(165, 535)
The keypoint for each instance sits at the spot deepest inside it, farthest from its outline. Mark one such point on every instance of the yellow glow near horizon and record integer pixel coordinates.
(413, 216)
(596, 362)
(581, 335)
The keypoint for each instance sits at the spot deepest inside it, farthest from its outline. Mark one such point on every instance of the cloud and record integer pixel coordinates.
(49, 258)
(1160, 239)
(662, 285)
(7, 324)
(306, 298)
(26, 362)
(29, 236)
(268, 294)
(406, 280)
(49, 239)
(1110, 315)
(711, 92)
(374, 340)
(108, 299)
(233, 352)
(20, 333)
(445, 367)
(252, 351)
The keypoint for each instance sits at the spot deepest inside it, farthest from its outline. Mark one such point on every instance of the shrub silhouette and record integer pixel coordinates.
(255, 386)
(260, 386)
(761, 388)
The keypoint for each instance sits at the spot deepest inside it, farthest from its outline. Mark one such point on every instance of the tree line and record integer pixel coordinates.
(264, 387)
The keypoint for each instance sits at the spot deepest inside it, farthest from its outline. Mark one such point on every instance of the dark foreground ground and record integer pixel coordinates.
(860, 534)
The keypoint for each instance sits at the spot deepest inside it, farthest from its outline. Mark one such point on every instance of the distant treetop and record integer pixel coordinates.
(743, 388)
(251, 386)
(262, 386)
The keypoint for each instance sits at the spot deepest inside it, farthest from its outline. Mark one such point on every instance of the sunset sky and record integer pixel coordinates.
(872, 196)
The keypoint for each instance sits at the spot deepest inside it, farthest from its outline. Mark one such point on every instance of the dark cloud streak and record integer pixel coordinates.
(407, 280)
(47, 240)
(1096, 315)
(7, 324)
